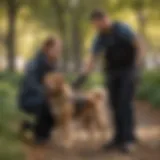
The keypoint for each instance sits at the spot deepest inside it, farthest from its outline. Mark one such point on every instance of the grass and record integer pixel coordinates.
(10, 146)
(149, 88)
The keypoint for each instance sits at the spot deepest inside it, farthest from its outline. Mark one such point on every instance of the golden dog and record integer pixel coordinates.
(92, 112)
(66, 107)
(59, 97)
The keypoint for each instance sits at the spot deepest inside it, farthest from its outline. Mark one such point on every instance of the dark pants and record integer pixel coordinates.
(44, 120)
(121, 86)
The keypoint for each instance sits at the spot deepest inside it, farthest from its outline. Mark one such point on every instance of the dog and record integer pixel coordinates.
(59, 96)
(68, 107)
(90, 111)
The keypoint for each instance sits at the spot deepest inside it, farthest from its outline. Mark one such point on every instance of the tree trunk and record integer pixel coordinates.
(61, 12)
(12, 13)
(63, 29)
(65, 51)
(141, 19)
(76, 44)
(142, 23)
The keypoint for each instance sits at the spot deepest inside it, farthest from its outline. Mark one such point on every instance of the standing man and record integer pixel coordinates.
(122, 53)
(33, 99)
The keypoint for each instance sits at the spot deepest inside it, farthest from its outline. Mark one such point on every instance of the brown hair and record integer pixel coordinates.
(97, 14)
(49, 42)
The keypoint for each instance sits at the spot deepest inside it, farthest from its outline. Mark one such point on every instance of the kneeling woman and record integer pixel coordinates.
(32, 97)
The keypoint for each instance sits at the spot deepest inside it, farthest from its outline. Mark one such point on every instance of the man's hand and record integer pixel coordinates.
(79, 81)
(84, 74)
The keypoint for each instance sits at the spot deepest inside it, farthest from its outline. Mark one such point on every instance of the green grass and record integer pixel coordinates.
(10, 146)
(149, 88)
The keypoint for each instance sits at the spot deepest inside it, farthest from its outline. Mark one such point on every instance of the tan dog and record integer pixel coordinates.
(92, 114)
(63, 106)
(59, 97)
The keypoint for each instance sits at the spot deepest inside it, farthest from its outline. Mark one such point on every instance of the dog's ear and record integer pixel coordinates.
(59, 79)
(48, 79)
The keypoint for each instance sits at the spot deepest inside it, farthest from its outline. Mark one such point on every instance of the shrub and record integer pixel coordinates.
(10, 146)
(149, 88)
(11, 78)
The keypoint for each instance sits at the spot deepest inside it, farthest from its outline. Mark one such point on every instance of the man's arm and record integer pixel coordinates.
(96, 49)
(88, 67)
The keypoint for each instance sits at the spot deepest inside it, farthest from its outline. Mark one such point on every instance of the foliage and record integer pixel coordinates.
(10, 146)
(34, 20)
(149, 88)
(11, 78)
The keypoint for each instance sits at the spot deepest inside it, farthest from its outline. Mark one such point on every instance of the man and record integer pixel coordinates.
(122, 53)
(32, 98)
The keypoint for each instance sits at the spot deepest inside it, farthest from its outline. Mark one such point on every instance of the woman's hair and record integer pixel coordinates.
(97, 14)
(49, 42)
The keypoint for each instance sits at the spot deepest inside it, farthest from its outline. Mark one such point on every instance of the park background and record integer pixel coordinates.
(24, 25)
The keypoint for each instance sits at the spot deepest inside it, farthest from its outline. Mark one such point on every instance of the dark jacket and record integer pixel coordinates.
(32, 93)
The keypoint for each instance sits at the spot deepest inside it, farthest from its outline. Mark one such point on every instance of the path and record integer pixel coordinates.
(148, 131)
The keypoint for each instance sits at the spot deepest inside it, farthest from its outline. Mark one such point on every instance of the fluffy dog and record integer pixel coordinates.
(90, 110)
(66, 106)
(59, 96)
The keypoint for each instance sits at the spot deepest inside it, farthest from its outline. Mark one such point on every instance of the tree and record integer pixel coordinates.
(12, 9)
(142, 9)
(61, 11)
(79, 13)
(71, 16)
(54, 15)
(69, 19)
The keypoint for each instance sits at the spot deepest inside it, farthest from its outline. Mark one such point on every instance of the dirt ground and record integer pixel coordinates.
(148, 147)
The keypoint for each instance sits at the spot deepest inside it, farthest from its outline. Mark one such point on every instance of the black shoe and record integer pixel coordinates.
(128, 148)
(26, 126)
(111, 145)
